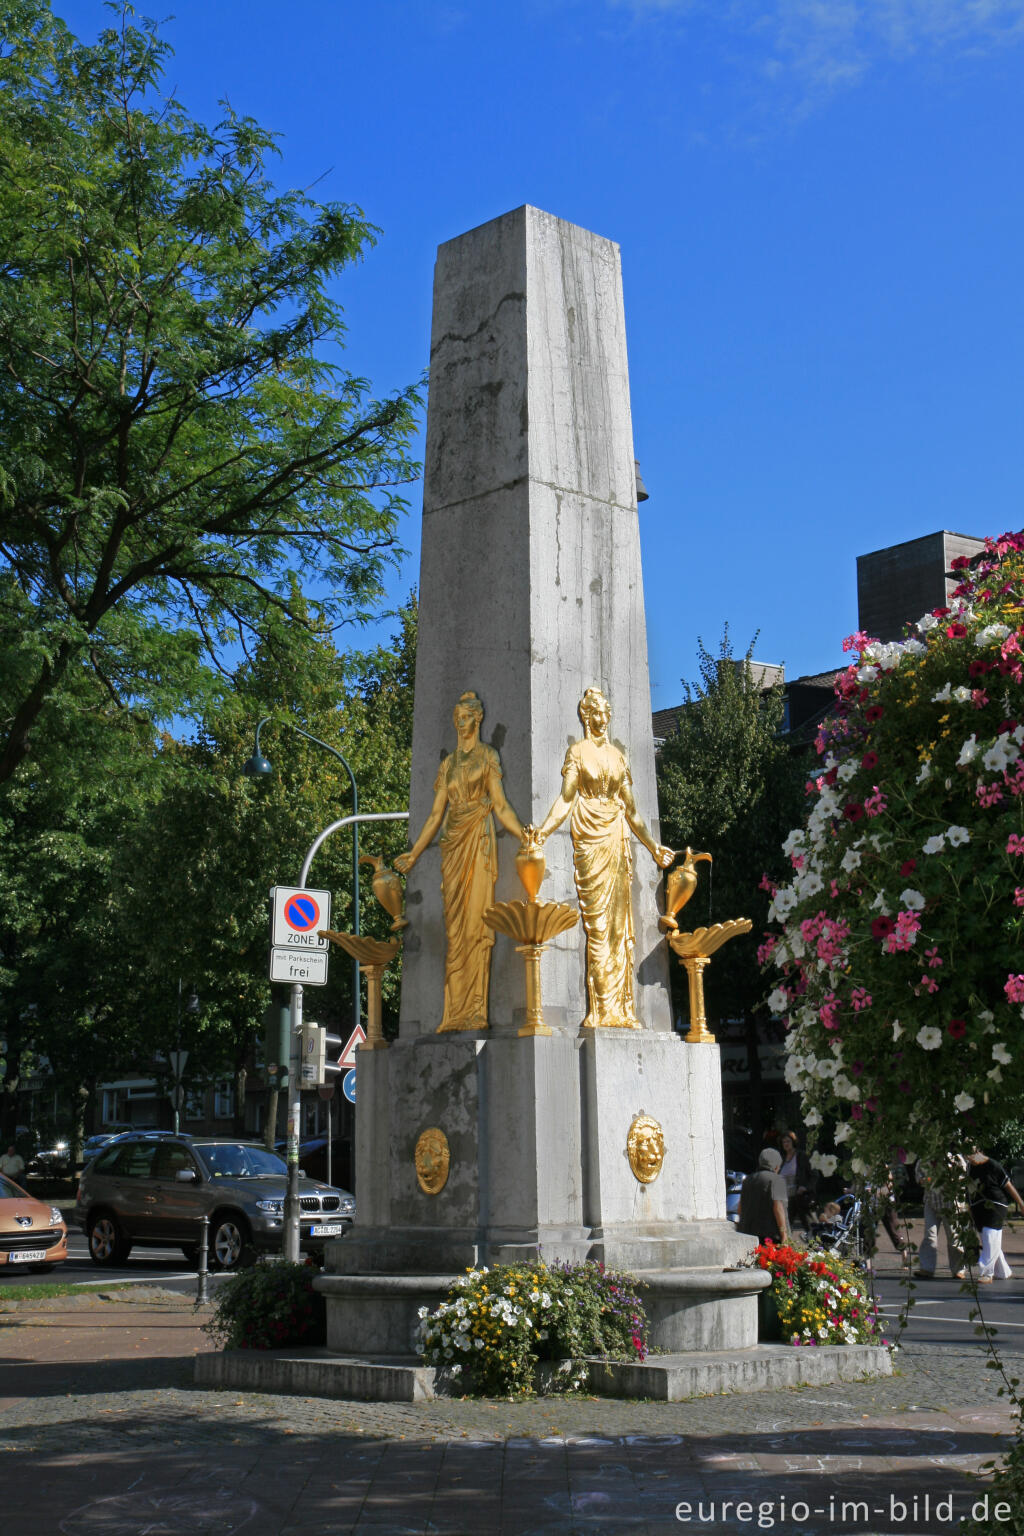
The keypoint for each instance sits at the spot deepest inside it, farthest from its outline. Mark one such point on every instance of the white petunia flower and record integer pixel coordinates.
(912, 900)
(962, 695)
(1001, 1054)
(996, 1074)
(858, 1165)
(913, 647)
(778, 1000)
(812, 1117)
(897, 1029)
(935, 844)
(924, 771)
(794, 842)
(957, 836)
(963, 1102)
(928, 1037)
(968, 752)
(942, 697)
(850, 860)
(867, 674)
(825, 1163)
(923, 625)
(879, 902)
(846, 771)
(843, 1088)
(992, 634)
(1001, 754)
(843, 1132)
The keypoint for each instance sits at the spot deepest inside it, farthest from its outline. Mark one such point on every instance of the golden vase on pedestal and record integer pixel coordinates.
(532, 924)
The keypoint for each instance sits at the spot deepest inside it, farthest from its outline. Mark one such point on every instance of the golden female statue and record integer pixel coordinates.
(598, 790)
(467, 789)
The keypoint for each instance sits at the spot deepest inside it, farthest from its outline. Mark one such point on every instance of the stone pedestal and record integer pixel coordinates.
(531, 592)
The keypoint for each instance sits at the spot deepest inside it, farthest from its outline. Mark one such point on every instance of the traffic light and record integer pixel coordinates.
(277, 1043)
(316, 1069)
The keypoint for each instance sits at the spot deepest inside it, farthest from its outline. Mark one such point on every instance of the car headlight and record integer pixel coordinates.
(347, 1207)
(56, 1216)
(272, 1207)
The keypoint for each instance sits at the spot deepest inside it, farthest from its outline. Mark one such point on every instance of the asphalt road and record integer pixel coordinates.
(145, 1266)
(940, 1314)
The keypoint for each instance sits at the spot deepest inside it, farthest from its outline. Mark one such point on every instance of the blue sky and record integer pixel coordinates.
(819, 207)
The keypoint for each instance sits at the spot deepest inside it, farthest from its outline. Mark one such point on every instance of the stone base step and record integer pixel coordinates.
(665, 1378)
(702, 1373)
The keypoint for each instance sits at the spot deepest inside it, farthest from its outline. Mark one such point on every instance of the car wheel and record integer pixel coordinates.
(230, 1243)
(107, 1243)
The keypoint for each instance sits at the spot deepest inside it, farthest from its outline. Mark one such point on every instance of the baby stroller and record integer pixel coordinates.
(839, 1233)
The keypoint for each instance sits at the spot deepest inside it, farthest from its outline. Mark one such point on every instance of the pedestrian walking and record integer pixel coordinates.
(763, 1200)
(991, 1193)
(939, 1181)
(799, 1176)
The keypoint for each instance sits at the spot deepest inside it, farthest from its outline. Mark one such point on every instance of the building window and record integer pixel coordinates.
(194, 1107)
(224, 1100)
(114, 1110)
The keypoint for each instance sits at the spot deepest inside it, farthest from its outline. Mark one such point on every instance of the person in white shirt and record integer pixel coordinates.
(12, 1164)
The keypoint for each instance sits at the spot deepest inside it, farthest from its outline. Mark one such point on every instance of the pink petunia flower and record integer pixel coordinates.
(1014, 844)
(1014, 989)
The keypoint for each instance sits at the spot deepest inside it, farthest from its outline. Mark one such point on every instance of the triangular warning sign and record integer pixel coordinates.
(348, 1055)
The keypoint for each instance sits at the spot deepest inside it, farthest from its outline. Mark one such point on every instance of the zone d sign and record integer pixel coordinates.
(297, 914)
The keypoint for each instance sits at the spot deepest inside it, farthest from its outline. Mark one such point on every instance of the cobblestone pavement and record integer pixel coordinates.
(100, 1415)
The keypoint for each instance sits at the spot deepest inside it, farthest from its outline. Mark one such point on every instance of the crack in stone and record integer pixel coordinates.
(508, 298)
(510, 485)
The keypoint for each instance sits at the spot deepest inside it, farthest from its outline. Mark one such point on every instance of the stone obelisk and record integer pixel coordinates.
(530, 581)
(483, 1146)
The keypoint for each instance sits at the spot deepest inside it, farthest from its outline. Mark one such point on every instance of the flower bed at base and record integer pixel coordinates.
(497, 1325)
(270, 1306)
(819, 1299)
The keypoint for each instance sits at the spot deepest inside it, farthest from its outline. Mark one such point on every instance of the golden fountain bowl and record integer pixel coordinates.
(531, 922)
(703, 942)
(366, 950)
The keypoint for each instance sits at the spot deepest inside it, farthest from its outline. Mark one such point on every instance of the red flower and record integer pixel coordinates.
(979, 668)
(869, 760)
(882, 927)
(1005, 727)
(956, 1028)
(909, 867)
(939, 613)
(854, 811)
(956, 631)
(874, 712)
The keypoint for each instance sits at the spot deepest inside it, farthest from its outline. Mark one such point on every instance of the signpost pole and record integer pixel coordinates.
(291, 1203)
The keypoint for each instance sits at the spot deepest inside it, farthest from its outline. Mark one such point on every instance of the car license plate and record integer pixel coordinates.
(27, 1256)
(332, 1231)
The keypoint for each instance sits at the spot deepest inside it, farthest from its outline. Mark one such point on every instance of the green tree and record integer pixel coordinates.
(197, 875)
(729, 785)
(179, 449)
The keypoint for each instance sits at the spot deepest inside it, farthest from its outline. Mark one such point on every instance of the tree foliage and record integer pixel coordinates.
(179, 450)
(729, 786)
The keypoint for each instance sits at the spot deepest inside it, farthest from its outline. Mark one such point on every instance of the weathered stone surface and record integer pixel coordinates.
(673, 1378)
(530, 581)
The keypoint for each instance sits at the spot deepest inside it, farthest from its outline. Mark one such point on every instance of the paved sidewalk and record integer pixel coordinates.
(98, 1412)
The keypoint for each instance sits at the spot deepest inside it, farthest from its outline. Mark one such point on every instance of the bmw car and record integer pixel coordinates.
(151, 1191)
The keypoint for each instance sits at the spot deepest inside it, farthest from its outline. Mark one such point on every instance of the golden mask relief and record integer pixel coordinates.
(468, 795)
(433, 1160)
(597, 792)
(645, 1148)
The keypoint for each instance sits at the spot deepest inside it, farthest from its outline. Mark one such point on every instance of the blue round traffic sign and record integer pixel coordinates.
(302, 912)
(348, 1085)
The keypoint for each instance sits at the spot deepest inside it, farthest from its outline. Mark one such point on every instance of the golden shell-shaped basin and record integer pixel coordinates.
(531, 922)
(703, 942)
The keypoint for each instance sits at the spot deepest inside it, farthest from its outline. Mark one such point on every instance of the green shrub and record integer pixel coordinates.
(269, 1306)
(497, 1324)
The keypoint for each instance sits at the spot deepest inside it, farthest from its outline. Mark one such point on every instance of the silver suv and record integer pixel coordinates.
(151, 1190)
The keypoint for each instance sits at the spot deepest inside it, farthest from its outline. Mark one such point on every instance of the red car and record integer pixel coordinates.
(32, 1233)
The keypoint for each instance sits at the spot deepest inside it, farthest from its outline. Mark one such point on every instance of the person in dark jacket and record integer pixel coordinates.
(990, 1196)
(763, 1200)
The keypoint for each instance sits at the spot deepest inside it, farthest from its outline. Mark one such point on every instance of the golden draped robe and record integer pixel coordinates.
(603, 870)
(469, 868)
